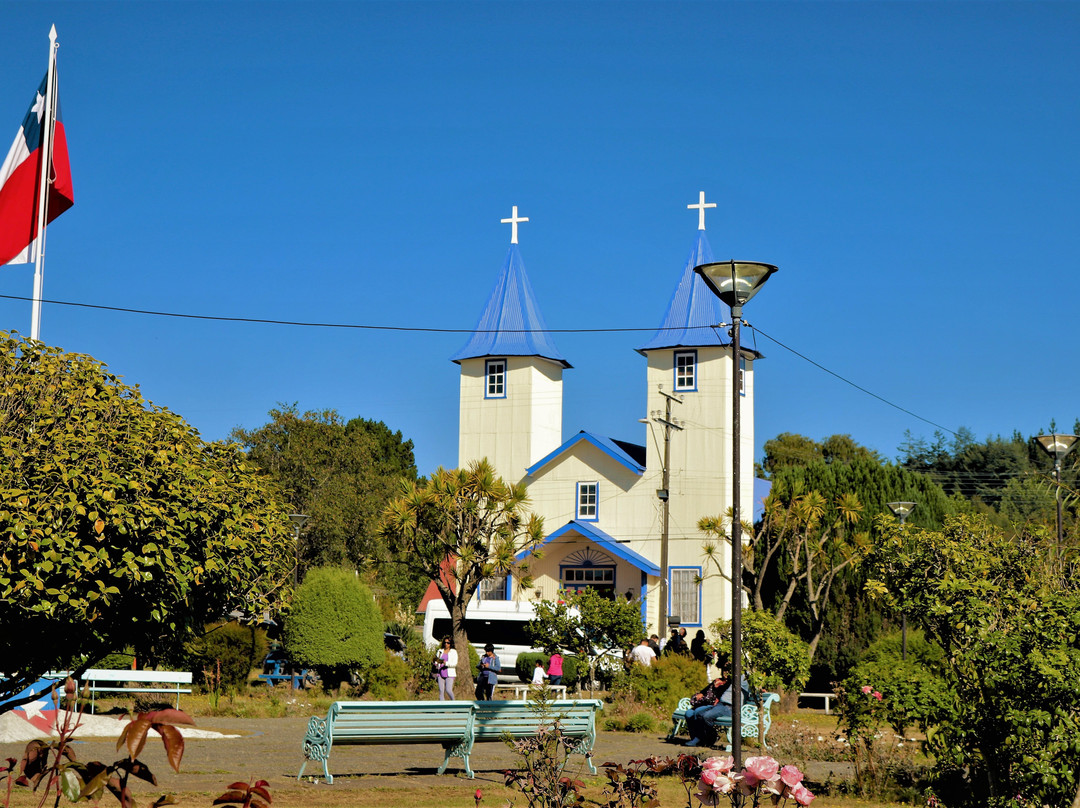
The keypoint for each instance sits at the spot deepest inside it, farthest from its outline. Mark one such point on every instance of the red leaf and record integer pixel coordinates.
(170, 716)
(174, 744)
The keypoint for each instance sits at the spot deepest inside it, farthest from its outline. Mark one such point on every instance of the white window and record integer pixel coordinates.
(577, 578)
(493, 588)
(686, 370)
(587, 501)
(495, 378)
(685, 595)
(742, 377)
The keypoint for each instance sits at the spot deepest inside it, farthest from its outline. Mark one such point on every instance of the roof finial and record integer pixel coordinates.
(513, 222)
(700, 206)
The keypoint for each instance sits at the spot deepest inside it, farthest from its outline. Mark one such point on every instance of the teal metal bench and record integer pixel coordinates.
(497, 720)
(750, 712)
(457, 725)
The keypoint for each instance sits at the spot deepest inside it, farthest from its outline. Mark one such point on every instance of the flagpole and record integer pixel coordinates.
(48, 125)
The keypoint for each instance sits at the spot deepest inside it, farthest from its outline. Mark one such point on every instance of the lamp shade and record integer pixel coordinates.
(901, 509)
(1057, 446)
(735, 282)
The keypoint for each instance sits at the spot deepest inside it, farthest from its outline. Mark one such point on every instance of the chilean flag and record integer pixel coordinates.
(20, 178)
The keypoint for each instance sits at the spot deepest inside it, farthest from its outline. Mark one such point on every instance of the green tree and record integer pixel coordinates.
(1006, 612)
(341, 474)
(456, 529)
(774, 658)
(587, 624)
(122, 528)
(791, 449)
(334, 625)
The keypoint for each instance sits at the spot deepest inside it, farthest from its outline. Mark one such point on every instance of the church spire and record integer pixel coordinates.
(511, 323)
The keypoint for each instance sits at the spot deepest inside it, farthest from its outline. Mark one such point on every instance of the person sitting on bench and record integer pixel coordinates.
(712, 705)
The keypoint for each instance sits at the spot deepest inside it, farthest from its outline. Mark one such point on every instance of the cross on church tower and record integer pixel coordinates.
(700, 207)
(513, 222)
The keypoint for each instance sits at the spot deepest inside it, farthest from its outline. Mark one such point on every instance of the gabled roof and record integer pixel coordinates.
(692, 310)
(612, 448)
(511, 323)
(602, 539)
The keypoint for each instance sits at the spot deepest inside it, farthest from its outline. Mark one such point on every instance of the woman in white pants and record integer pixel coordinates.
(446, 664)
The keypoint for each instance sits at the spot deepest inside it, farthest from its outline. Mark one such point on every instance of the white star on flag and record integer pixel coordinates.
(33, 709)
(39, 107)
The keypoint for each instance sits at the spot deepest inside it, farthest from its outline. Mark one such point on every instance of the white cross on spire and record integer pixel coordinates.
(513, 222)
(700, 207)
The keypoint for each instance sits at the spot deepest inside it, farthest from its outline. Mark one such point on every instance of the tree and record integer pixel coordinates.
(588, 625)
(334, 625)
(791, 449)
(341, 474)
(1005, 610)
(810, 543)
(121, 526)
(773, 657)
(456, 529)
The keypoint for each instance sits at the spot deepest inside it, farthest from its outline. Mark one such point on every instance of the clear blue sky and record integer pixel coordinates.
(912, 168)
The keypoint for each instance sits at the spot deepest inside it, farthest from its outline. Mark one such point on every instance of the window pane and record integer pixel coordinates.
(684, 595)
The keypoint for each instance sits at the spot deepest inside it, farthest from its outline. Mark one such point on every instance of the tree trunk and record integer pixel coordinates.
(461, 642)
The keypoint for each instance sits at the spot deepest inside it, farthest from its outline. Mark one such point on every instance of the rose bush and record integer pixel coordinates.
(761, 778)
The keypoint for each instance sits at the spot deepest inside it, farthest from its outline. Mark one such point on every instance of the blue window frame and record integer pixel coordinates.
(495, 378)
(588, 501)
(685, 371)
(684, 594)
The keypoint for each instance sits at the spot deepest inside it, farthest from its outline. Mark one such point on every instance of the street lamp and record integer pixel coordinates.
(735, 282)
(901, 510)
(298, 520)
(1057, 446)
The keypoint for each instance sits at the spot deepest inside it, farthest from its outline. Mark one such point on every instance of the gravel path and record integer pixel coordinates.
(271, 749)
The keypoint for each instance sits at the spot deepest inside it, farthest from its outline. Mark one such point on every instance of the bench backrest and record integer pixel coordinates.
(360, 722)
(153, 677)
(520, 719)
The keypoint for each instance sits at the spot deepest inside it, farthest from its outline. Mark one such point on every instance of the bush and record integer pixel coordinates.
(640, 722)
(116, 662)
(662, 684)
(774, 658)
(238, 648)
(334, 625)
(572, 666)
(387, 682)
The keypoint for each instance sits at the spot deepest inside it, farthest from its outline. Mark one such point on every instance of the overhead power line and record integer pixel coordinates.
(430, 330)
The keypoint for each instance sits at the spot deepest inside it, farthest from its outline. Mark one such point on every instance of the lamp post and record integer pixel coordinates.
(735, 282)
(1057, 446)
(298, 520)
(901, 510)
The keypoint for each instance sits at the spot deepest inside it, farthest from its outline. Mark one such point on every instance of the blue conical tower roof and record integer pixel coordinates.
(511, 323)
(693, 309)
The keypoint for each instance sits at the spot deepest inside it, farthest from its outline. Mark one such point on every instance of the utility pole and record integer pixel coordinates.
(663, 494)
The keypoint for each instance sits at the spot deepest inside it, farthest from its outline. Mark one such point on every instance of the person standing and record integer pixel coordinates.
(538, 673)
(446, 670)
(554, 670)
(489, 674)
(643, 654)
(697, 647)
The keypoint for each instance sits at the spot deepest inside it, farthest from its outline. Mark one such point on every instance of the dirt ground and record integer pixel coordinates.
(271, 749)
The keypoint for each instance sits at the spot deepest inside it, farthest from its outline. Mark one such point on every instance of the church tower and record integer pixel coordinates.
(511, 377)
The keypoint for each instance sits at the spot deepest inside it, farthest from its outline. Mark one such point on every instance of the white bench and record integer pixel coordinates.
(522, 691)
(125, 681)
(826, 696)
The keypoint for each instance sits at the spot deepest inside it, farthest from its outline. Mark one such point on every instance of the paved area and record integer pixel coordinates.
(271, 749)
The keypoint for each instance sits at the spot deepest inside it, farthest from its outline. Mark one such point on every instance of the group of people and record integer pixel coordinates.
(710, 707)
(652, 647)
(445, 671)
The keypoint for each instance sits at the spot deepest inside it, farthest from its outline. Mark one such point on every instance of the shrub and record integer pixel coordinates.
(774, 658)
(663, 683)
(334, 625)
(572, 666)
(387, 681)
(116, 662)
(238, 648)
(640, 722)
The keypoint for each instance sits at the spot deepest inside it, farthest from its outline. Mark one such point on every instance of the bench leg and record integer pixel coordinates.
(462, 751)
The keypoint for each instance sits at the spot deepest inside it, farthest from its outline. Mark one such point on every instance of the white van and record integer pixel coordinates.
(499, 622)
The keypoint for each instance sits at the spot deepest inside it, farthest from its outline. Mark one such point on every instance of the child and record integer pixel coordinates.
(538, 673)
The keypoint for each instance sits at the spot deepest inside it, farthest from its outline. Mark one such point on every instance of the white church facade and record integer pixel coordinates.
(602, 498)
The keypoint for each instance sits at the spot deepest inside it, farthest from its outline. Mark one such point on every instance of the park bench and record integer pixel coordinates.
(456, 725)
(128, 681)
(750, 713)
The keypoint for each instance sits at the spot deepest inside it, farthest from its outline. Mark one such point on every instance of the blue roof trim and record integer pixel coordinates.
(511, 323)
(692, 310)
(605, 541)
(605, 445)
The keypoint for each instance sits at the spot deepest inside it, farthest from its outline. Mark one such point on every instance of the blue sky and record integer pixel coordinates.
(912, 168)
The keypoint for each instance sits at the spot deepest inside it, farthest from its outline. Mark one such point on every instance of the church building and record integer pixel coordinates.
(603, 499)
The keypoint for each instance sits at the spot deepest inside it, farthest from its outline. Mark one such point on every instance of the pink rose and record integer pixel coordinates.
(708, 776)
(877, 695)
(791, 776)
(721, 764)
(760, 768)
(724, 784)
(771, 786)
(802, 794)
(866, 688)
